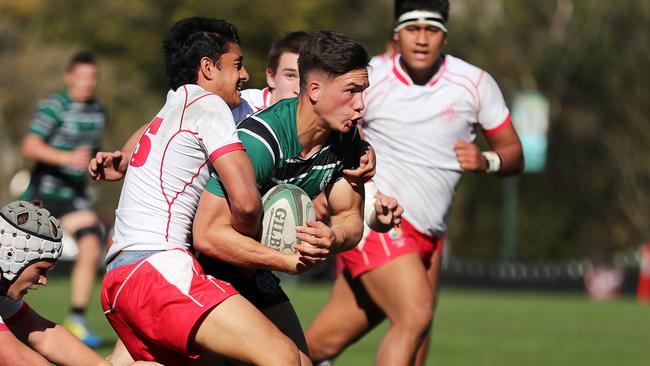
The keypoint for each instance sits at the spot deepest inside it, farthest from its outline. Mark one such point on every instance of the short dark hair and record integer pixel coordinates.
(332, 53)
(191, 39)
(404, 6)
(79, 58)
(291, 42)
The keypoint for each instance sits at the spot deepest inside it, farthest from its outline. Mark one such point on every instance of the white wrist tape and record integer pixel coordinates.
(369, 206)
(493, 161)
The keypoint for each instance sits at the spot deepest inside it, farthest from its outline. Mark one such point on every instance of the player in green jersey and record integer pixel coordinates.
(307, 141)
(62, 137)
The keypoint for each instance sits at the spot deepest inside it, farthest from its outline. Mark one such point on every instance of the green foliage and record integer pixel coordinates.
(588, 57)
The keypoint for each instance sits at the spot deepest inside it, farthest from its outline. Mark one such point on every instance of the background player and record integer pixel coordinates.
(420, 117)
(282, 76)
(149, 262)
(63, 136)
(305, 141)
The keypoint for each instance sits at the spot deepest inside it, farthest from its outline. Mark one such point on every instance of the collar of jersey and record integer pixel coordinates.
(404, 77)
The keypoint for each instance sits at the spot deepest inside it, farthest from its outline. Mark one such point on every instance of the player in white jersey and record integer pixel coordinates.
(281, 77)
(155, 295)
(386, 58)
(420, 117)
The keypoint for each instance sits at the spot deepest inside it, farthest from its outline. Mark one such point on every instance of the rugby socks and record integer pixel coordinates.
(77, 314)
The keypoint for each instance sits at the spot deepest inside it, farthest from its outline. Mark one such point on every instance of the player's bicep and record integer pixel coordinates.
(507, 136)
(345, 200)
(235, 172)
(212, 214)
(46, 118)
(493, 114)
(262, 156)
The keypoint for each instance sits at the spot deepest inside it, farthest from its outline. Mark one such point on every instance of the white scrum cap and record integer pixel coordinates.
(28, 234)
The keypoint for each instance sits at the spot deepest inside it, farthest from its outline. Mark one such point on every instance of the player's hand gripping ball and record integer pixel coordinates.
(285, 207)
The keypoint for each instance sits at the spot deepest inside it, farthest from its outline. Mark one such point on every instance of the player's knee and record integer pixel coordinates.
(415, 317)
(285, 352)
(325, 346)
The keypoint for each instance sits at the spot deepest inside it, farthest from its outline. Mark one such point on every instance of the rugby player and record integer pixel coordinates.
(283, 80)
(421, 113)
(30, 245)
(306, 141)
(282, 77)
(155, 295)
(63, 135)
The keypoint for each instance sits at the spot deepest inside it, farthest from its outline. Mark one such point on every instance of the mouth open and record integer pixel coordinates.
(420, 54)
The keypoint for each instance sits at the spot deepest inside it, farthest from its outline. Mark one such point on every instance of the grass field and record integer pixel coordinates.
(473, 327)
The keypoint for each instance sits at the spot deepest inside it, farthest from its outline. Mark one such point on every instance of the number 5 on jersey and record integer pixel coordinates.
(143, 147)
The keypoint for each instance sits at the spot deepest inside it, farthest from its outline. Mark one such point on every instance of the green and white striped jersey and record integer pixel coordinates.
(271, 141)
(65, 125)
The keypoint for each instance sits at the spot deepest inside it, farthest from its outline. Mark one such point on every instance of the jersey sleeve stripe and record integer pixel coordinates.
(225, 149)
(263, 141)
(261, 130)
(38, 132)
(19, 315)
(261, 121)
(500, 127)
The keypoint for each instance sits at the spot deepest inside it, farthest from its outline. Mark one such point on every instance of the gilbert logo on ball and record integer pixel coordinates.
(285, 207)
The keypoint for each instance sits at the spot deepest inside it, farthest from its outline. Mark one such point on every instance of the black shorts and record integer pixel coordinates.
(62, 208)
(41, 187)
(261, 287)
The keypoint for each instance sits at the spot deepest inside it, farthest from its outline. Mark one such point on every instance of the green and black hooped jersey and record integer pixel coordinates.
(271, 141)
(65, 125)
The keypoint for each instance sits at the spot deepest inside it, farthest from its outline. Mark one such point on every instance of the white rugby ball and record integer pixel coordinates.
(285, 207)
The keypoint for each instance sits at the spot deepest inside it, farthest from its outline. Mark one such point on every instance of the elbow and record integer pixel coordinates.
(26, 149)
(521, 165)
(518, 166)
(205, 243)
(353, 237)
(248, 209)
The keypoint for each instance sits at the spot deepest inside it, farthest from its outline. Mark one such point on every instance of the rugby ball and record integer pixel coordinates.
(285, 207)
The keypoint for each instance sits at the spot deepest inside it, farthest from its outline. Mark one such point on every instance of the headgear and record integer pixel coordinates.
(28, 234)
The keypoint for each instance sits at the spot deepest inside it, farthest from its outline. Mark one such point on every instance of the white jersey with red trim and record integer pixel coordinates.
(414, 128)
(252, 101)
(380, 61)
(169, 169)
(8, 308)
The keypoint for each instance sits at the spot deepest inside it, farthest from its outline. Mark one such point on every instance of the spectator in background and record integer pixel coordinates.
(63, 136)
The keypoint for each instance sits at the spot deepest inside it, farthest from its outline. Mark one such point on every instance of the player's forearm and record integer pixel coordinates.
(236, 173)
(51, 341)
(507, 146)
(14, 353)
(348, 229)
(36, 149)
(377, 225)
(28, 358)
(512, 159)
(228, 245)
(130, 144)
